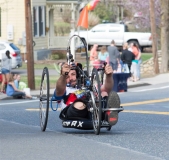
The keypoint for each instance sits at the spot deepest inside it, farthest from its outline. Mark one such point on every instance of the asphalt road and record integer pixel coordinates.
(140, 134)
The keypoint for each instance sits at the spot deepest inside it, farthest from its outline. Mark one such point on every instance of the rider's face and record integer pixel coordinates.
(72, 78)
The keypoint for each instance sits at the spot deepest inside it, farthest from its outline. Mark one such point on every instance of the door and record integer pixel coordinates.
(98, 35)
(116, 33)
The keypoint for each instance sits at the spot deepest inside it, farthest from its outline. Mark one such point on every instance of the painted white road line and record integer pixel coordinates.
(145, 102)
(147, 112)
(37, 109)
(30, 101)
(143, 90)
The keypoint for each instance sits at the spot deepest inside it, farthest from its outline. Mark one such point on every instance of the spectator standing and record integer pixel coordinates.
(127, 56)
(93, 55)
(130, 48)
(103, 54)
(6, 69)
(114, 55)
(134, 68)
(139, 64)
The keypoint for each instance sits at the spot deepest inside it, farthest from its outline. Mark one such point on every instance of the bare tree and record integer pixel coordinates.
(164, 35)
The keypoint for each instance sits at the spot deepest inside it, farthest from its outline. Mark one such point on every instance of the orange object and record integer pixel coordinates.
(83, 19)
(92, 4)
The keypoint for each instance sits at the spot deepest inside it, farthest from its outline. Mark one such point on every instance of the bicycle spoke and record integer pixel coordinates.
(44, 99)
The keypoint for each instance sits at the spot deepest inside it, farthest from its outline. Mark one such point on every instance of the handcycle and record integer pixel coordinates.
(90, 86)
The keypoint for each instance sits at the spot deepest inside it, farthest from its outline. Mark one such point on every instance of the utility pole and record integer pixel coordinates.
(154, 36)
(29, 45)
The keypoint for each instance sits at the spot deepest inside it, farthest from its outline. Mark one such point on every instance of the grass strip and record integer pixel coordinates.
(52, 81)
(146, 56)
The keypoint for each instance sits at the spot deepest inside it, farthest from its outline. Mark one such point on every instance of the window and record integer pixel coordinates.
(42, 21)
(98, 29)
(39, 20)
(35, 21)
(0, 21)
(114, 29)
(14, 46)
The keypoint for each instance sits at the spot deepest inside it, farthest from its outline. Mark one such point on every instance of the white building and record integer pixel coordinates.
(12, 24)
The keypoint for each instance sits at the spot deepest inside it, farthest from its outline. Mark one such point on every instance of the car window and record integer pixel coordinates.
(2, 47)
(114, 29)
(98, 29)
(14, 46)
(115, 26)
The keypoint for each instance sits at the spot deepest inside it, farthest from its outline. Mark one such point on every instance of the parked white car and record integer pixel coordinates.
(103, 34)
(15, 53)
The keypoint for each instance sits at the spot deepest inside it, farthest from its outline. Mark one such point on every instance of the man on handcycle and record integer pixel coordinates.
(73, 103)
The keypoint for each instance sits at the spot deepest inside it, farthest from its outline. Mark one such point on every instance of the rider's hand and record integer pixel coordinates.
(108, 69)
(65, 69)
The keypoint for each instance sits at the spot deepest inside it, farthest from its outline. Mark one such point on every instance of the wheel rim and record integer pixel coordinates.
(95, 112)
(43, 95)
(44, 100)
(97, 100)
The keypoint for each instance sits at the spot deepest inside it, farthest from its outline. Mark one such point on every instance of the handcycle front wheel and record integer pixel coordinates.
(97, 110)
(44, 99)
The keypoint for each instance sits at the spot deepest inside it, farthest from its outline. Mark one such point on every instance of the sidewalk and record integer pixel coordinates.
(161, 78)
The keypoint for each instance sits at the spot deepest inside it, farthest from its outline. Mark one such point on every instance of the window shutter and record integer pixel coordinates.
(34, 21)
(45, 19)
(40, 20)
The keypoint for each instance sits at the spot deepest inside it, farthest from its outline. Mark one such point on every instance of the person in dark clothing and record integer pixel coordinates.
(127, 56)
(114, 55)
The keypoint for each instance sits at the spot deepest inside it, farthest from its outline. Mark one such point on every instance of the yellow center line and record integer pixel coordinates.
(147, 112)
(145, 102)
(130, 104)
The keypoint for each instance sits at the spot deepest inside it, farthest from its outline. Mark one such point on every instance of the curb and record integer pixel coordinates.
(10, 97)
(139, 85)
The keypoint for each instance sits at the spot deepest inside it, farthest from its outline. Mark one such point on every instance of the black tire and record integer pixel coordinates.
(101, 76)
(44, 99)
(97, 110)
(108, 128)
(116, 100)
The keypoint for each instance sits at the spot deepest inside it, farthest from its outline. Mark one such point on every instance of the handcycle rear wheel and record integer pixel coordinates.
(44, 99)
(101, 78)
(108, 128)
(97, 110)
